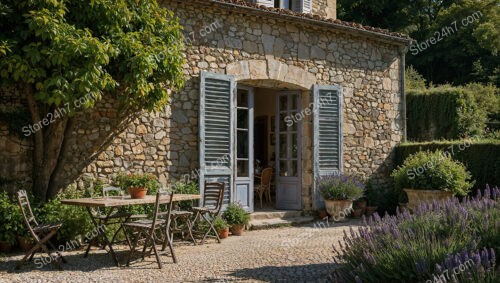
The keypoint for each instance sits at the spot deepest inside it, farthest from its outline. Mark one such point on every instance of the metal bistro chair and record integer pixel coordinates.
(147, 230)
(264, 187)
(108, 218)
(41, 233)
(213, 197)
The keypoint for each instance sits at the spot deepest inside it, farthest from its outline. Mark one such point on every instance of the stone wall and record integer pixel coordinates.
(325, 8)
(262, 50)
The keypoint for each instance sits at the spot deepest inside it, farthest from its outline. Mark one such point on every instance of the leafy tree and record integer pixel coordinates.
(62, 51)
(469, 54)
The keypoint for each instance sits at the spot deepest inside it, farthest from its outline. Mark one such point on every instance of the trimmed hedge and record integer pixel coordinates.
(482, 158)
(444, 113)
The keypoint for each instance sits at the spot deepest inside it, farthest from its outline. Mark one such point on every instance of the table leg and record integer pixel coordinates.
(104, 237)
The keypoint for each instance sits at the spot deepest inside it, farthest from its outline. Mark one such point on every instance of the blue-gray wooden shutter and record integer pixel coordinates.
(267, 3)
(328, 156)
(302, 6)
(216, 134)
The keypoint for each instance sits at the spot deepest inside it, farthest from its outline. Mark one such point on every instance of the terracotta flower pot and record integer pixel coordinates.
(357, 213)
(403, 207)
(137, 192)
(415, 197)
(224, 233)
(237, 229)
(338, 209)
(5, 247)
(322, 214)
(25, 243)
(360, 204)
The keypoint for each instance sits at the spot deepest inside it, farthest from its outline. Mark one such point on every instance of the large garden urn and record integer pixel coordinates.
(415, 197)
(338, 209)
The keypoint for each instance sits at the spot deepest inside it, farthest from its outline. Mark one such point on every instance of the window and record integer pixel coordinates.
(284, 4)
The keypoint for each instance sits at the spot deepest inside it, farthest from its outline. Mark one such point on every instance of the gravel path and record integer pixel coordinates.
(289, 254)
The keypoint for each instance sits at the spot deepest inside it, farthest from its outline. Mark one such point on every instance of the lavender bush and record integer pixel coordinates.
(413, 247)
(341, 187)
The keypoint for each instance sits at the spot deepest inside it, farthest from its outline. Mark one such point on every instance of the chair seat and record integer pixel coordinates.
(204, 209)
(46, 227)
(181, 213)
(144, 223)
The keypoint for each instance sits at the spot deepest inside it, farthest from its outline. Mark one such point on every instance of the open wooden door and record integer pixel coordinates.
(328, 156)
(288, 151)
(216, 126)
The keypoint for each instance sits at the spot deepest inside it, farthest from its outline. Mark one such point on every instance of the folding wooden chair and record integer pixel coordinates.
(41, 233)
(213, 197)
(146, 230)
(264, 187)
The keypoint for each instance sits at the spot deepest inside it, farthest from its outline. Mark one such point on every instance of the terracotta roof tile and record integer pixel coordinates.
(335, 22)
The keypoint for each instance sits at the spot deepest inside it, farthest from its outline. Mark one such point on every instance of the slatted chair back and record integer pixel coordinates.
(28, 216)
(267, 175)
(157, 211)
(213, 196)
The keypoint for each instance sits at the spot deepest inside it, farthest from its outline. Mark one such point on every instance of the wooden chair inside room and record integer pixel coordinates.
(263, 187)
(213, 198)
(151, 232)
(41, 233)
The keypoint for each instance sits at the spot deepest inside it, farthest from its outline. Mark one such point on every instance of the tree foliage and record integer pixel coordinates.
(469, 54)
(62, 51)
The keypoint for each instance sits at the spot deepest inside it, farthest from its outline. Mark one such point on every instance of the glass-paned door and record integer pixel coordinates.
(244, 147)
(288, 151)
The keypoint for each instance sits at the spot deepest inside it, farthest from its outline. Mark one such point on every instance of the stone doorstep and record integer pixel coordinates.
(262, 224)
(262, 215)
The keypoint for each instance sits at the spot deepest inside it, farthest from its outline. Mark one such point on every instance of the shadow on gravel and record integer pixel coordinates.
(76, 262)
(298, 273)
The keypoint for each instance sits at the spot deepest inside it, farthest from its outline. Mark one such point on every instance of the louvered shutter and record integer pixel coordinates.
(302, 6)
(216, 124)
(328, 157)
(268, 3)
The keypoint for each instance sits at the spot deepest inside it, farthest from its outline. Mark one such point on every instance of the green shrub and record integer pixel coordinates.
(11, 221)
(426, 170)
(186, 188)
(443, 113)
(481, 157)
(128, 181)
(76, 220)
(236, 215)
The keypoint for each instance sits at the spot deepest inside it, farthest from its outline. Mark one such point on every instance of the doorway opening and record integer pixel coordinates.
(276, 145)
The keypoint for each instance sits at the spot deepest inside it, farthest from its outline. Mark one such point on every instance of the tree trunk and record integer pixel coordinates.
(46, 147)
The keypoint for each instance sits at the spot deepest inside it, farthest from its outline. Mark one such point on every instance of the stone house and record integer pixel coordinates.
(281, 84)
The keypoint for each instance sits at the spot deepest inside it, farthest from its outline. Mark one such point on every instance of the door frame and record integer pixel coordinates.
(250, 179)
(299, 145)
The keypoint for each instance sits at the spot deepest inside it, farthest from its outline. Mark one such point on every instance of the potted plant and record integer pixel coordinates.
(221, 227)
(9, 222)
(339, 191)
(236, 217)
(138, 184)
(429, 176)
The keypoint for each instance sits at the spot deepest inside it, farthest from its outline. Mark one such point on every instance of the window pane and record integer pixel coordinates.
(283, 168)
(295, 148)
(242, 118)
(295, 101)
(242, 98)
(283, 122)
(242, 168)
(283, 146)
(293, 168)
(294, 125)
(283, 103)
(242, 144)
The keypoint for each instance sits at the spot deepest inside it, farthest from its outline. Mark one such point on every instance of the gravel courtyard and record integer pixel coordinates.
(288, 254)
